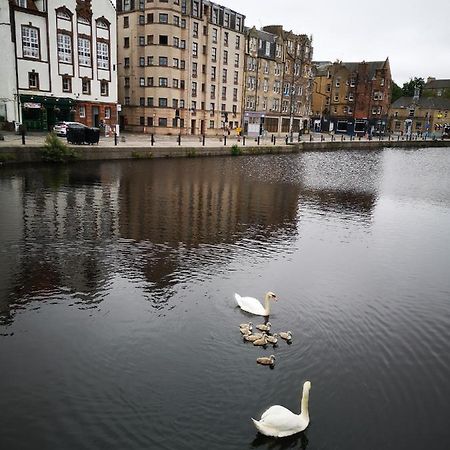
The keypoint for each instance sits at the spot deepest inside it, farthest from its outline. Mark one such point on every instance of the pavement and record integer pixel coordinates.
(144, 140)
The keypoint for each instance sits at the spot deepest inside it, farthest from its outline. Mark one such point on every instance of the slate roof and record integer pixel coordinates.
(437, 84)
(423, 102)
(322, 66)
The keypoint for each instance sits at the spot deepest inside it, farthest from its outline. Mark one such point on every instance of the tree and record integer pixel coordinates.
(409, 88)
(397, 92)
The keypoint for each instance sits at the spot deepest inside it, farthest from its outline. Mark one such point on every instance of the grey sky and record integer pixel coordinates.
(415, 34)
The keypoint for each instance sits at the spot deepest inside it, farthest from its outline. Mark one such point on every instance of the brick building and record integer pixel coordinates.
(351, 98)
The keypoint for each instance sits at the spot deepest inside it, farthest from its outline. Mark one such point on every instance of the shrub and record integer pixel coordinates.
(235, 150)
(138, 155)
(191, 153)
(55, 150)
(4, 157)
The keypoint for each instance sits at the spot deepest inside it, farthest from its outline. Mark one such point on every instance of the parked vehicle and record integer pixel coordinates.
(60, 128)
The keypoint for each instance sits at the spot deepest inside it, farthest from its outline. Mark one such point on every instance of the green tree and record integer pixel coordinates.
(409, 87)
(397, 92)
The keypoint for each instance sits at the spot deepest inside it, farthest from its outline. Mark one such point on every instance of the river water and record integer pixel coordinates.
(118, 328)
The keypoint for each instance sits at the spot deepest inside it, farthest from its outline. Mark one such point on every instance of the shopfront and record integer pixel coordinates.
(41, 113)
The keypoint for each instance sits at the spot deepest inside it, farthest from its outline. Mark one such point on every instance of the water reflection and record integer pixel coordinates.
(298, 441)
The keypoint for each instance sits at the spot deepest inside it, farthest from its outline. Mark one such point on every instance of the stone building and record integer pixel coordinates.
(436, 88)
(278, 81)
(420, 115)
(351, 98)
(180, 66)
(64, 63)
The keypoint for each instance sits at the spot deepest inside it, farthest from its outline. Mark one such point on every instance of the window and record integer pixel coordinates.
(163, 61)
(67, 84)
(126, 22)
(176, 21)
(226, 19)
(194, 89)
(107, 112)
(126, 42)
(163, 40)
(141, 61)
(149, 60)
(194, 69)
(103, 55)
(214, 35)
(226, 38)
(126, 82)
(163, 18)
(30, 42)
(33, 80)
(225, 57)
(104, 88)
(142, 121)
(149, 101)
(162, 102)
(64, 48)
(211, 124)
(150, 18)
(235, 95)
(195, 49)
(163, 122)
(142, 81)
(82, 111)
(213, 54)
(84, 51)
(126, 62)
(141, 101)
(176, 62)
(141, 20)
(224, 93)
(238, 23)
(236, 60)
(141, 41)
(176, 42)
(236, 77)
(224, 75)
(195, 30)
(127, 100)
(238, 42)
(86, 86)
(163, 82)
(213, 91)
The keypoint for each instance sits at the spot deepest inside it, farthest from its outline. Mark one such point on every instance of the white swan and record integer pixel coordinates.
(278, 421)
(254, 306)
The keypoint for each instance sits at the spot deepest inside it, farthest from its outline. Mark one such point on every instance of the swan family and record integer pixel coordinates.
(276, 421)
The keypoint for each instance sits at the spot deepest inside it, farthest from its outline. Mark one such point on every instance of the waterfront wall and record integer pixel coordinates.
(30, 153)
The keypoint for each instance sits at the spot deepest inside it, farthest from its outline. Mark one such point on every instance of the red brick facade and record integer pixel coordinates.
(90, 112)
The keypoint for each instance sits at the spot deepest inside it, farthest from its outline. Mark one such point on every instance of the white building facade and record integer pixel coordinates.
(65, 64)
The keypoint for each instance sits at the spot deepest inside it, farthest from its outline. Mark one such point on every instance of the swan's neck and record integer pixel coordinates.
(267, 305)
(304, 405)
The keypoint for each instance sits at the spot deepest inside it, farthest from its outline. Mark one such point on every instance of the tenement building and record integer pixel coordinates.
(278, 81)
(180, 66)
(63, 64)
(351, 97)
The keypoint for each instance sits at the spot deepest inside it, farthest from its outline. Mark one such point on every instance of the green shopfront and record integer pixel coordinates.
(41, 113)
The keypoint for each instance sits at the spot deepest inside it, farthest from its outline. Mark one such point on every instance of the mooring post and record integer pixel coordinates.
(115, 139)
(243, 140)
(203, 140)
(23, 135)
(179, 139)
(259, 137)
(225, 139)
(152, 139)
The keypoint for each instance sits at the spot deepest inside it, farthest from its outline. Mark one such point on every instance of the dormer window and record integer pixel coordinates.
(22, 3)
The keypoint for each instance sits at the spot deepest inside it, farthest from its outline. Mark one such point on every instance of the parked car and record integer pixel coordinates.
(60, 128)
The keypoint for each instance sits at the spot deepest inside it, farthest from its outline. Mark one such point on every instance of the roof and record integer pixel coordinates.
(437, 84)
(422, 102)
(372, 66)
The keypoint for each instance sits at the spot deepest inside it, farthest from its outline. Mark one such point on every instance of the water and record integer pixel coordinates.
(117, 323)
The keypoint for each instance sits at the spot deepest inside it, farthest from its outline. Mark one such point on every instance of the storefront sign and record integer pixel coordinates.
(32, 105)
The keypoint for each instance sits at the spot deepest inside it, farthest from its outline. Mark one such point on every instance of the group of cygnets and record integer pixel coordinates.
(264, 338)
(277, 421)
(254, 306)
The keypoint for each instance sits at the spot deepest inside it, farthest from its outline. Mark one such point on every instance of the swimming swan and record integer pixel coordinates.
(278, 421)
(254, 306)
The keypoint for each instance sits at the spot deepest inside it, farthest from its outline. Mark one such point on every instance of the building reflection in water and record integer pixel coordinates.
(73, 230)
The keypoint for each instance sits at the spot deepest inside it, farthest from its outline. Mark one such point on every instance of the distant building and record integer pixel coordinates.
(414, 115)
(278, 81)
(436, 88)
(180, 66)
(351, 97)
(63, 64)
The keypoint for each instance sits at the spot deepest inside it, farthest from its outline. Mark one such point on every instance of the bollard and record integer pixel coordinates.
(310, 138)
(203, 140)
(342, 137)
(258, 139)
(23, 135)
(287, 140)
(179, 139)
(299, 137)
(272, 139)
(321, 138)
(115, 138)
(243, 140)
(225, 140)
(153, 139)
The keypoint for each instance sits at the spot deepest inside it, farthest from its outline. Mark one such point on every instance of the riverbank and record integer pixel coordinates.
(15, 153)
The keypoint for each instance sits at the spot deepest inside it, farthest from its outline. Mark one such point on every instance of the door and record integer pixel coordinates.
(193, 123)
(95, 116)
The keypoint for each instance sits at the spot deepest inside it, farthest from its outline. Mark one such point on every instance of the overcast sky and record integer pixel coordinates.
(415, 34)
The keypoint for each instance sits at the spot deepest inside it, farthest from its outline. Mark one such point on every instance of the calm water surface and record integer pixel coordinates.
(117, 323)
